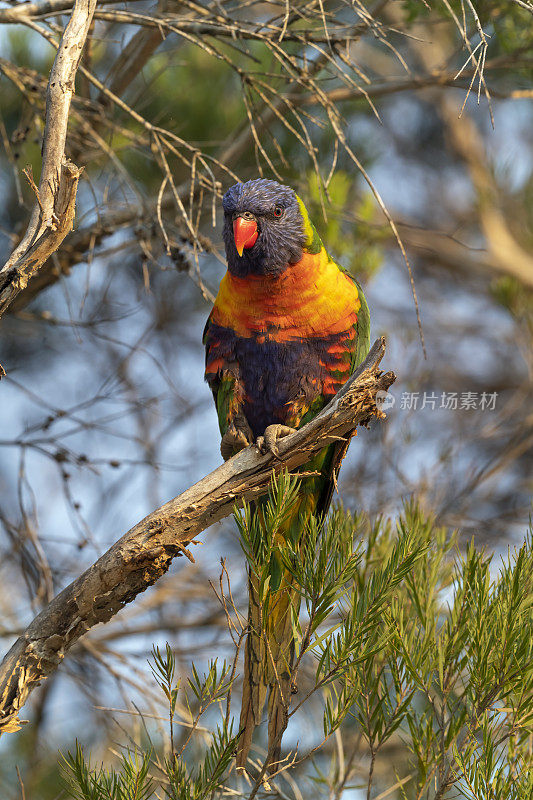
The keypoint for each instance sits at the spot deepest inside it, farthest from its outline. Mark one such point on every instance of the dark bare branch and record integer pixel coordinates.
(44, 9)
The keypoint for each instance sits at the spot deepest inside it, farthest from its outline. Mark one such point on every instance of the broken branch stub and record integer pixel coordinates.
(15, 279)
(53, 211)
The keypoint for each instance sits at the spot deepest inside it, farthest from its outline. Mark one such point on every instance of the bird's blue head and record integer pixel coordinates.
(263, 228)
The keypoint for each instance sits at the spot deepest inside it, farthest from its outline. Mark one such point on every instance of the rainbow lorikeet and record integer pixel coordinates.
(287, 328)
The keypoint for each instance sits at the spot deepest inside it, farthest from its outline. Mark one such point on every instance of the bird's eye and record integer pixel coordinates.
(278, 211)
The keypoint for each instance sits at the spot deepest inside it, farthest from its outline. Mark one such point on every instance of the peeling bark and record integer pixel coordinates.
(145, 552)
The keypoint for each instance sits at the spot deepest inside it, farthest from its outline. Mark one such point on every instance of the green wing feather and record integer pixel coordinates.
(226, 400)
(362, 342)
(225, 388)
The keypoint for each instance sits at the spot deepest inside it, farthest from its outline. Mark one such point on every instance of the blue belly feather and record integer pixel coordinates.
(274, 374)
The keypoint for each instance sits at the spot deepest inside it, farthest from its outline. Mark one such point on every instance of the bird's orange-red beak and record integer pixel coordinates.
(245, 233)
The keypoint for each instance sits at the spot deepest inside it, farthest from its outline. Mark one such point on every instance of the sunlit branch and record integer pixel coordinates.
(144, 554)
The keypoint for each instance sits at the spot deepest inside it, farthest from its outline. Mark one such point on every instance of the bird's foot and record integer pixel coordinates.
(234, 440)
(267, 443)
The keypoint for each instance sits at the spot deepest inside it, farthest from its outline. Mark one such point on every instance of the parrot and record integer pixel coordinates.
(287, 328)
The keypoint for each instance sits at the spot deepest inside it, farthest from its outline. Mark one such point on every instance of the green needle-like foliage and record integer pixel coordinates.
(421, 661)
(130, 782)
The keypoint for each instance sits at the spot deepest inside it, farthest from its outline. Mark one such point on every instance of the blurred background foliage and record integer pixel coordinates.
(104, 413)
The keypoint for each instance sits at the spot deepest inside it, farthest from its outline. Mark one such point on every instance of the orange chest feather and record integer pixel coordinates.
(311, 298)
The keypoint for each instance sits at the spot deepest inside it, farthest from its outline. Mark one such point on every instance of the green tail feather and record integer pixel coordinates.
(269, 654)
(268, 664)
